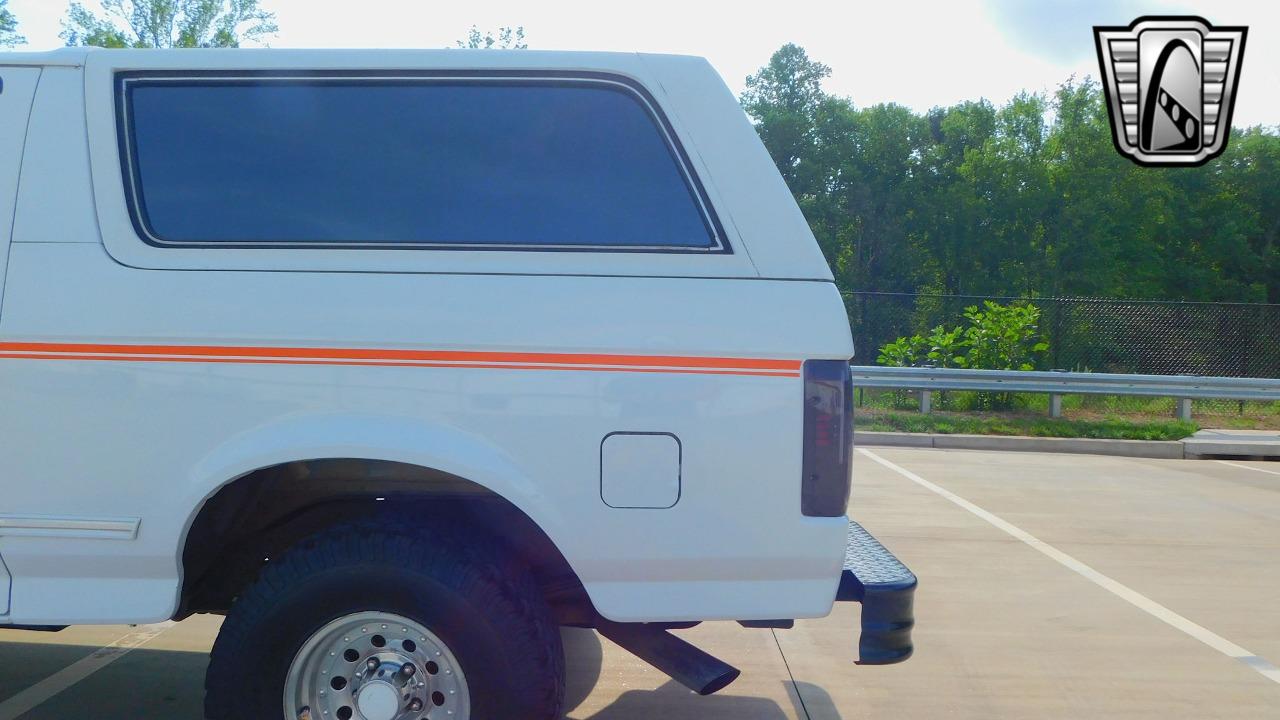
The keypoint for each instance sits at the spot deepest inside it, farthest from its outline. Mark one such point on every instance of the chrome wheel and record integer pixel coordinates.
(375, 666)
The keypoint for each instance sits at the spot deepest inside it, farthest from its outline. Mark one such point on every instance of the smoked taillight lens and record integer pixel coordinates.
(828, 438)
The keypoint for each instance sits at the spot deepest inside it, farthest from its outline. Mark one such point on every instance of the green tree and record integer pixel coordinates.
(506, 39)
(9, 36)
(168, 24)
(784, 99)
(947, 207)
(1026, 199)
(1250, 182)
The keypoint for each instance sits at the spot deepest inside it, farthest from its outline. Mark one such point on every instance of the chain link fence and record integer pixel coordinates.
(1148, 337)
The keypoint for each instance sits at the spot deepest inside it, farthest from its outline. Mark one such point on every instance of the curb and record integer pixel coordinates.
(1199, 447)
(1157, 449)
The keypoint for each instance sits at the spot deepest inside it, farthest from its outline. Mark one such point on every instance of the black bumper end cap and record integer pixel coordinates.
(888, 616)
(886, 588)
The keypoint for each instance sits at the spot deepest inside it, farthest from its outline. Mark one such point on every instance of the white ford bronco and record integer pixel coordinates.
(402, 360)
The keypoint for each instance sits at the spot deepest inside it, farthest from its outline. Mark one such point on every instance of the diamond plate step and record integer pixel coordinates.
(876, 578)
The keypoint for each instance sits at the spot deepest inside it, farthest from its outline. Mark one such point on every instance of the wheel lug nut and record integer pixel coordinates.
(415, 705)
(373, 664)
(407, 670)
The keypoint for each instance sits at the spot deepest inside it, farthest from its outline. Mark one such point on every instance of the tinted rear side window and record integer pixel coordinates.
(400, 162)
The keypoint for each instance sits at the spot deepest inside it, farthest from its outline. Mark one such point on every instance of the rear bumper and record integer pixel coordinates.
(886, 589)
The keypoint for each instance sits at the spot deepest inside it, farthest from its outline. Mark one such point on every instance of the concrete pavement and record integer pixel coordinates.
(1004, 629)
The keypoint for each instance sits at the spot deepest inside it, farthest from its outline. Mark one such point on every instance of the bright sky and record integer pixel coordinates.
(914, 52)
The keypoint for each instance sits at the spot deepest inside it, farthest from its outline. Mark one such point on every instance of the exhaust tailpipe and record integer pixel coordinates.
(686, 664)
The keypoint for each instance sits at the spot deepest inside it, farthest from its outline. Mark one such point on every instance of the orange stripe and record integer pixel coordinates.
(439, 356)
(130, 353)
(376, 363)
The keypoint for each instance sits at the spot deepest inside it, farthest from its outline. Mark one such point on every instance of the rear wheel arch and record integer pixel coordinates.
(265, 512)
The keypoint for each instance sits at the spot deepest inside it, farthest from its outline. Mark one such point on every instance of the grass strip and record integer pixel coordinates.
(1006, 424)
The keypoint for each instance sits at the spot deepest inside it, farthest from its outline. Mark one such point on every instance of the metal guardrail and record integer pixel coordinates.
(1056, 384)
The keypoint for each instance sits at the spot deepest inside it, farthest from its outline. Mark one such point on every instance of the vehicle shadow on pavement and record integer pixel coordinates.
(816, 703)
(170, 684)
(585, 658)
(162, 683)
(673, 701)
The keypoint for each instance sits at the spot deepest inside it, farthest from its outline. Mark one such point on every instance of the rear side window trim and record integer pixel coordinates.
(126, 139)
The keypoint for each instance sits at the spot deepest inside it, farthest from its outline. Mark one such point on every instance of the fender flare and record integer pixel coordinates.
(367, 437)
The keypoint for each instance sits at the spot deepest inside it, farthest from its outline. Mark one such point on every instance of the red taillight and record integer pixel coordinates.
(828, 438)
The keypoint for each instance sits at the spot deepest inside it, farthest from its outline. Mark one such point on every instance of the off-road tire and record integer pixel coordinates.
(486, 608)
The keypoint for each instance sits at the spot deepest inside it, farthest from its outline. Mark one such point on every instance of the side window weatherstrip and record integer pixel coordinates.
(135, 199)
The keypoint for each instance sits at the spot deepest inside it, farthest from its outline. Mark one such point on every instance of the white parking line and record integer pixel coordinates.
(1151, 607)
(33, 696)
(1249, 467)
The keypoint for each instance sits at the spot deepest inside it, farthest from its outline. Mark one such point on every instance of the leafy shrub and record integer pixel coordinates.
(1003, 337)
(945, 347)
(997, 337)
(903, 352)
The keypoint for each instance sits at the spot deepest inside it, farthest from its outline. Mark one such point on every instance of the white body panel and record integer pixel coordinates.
(17, 87)
(97, 436)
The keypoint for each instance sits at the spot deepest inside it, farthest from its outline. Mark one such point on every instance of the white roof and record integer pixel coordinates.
(335, 57)
(70, 56)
